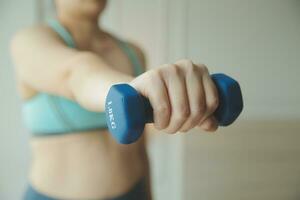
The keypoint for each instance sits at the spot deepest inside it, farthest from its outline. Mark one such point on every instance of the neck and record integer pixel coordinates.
(83, 30)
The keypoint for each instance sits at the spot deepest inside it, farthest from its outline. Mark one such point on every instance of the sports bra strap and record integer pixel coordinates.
(125, 47)
(62, 32)
(132, 56)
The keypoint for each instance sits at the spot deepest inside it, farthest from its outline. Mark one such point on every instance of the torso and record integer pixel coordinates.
(87, 165)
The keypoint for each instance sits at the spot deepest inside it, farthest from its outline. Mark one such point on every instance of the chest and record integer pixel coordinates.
(116, 58)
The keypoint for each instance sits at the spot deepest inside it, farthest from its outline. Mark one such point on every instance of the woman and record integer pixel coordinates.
(64, 70)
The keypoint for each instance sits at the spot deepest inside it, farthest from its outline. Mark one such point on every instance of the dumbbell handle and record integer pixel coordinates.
(222, 113)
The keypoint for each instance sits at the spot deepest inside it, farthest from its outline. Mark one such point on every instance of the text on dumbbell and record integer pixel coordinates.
(111, 115)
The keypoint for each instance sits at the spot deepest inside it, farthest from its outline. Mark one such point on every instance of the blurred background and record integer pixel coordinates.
(257, 42)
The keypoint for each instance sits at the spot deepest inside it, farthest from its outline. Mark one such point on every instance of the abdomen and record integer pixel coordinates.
(86, 165)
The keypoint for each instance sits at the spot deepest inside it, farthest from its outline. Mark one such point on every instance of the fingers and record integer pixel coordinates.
(193, 97)
(158, 96)
(152, 86)
(196, 97)
(211, 94)
(210, 124)
(202, 94)
(182, 95)
(175, 83)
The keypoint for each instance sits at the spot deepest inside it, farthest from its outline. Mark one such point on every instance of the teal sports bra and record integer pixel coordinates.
(46, 114)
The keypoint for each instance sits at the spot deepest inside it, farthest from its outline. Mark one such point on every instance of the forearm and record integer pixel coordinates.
(91, 79)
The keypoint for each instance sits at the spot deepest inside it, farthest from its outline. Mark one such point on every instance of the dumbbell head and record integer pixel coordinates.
(125, 113)
(230, 99)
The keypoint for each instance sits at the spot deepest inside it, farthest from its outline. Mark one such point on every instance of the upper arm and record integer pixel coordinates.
(41, 59)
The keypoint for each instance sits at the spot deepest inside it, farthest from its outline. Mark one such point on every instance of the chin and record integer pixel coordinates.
(83, 8)
(93, 7)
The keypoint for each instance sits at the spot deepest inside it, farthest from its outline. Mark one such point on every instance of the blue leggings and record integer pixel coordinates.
(138, 192)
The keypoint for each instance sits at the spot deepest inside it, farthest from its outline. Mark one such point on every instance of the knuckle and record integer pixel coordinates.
(188, 63)
(192, 69)
(213, 103)
(200, 108)
(184, 130)
(170, 130)
(182, 112)
(210, 126)
(156, 72)
(163, 109)
(160, 125)
(203, 68)
(174, 69)
(152, 75)
(195, 118)
(165, 66)
(198, 113)
(162, 115)
(178, 119)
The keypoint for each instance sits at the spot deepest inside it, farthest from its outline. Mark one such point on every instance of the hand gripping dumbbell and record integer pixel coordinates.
(127, 111)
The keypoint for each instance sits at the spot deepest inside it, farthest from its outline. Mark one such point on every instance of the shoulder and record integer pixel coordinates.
(33, 31)
(42, 34)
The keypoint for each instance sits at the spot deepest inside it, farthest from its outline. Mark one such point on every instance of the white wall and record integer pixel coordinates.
(13, 140)
(258, 42)
(254, 159)
(255, 41)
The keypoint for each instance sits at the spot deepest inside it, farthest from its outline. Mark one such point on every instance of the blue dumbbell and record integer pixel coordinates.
(127, 111)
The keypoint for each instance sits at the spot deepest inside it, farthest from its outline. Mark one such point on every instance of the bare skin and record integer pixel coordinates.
(91, 165)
